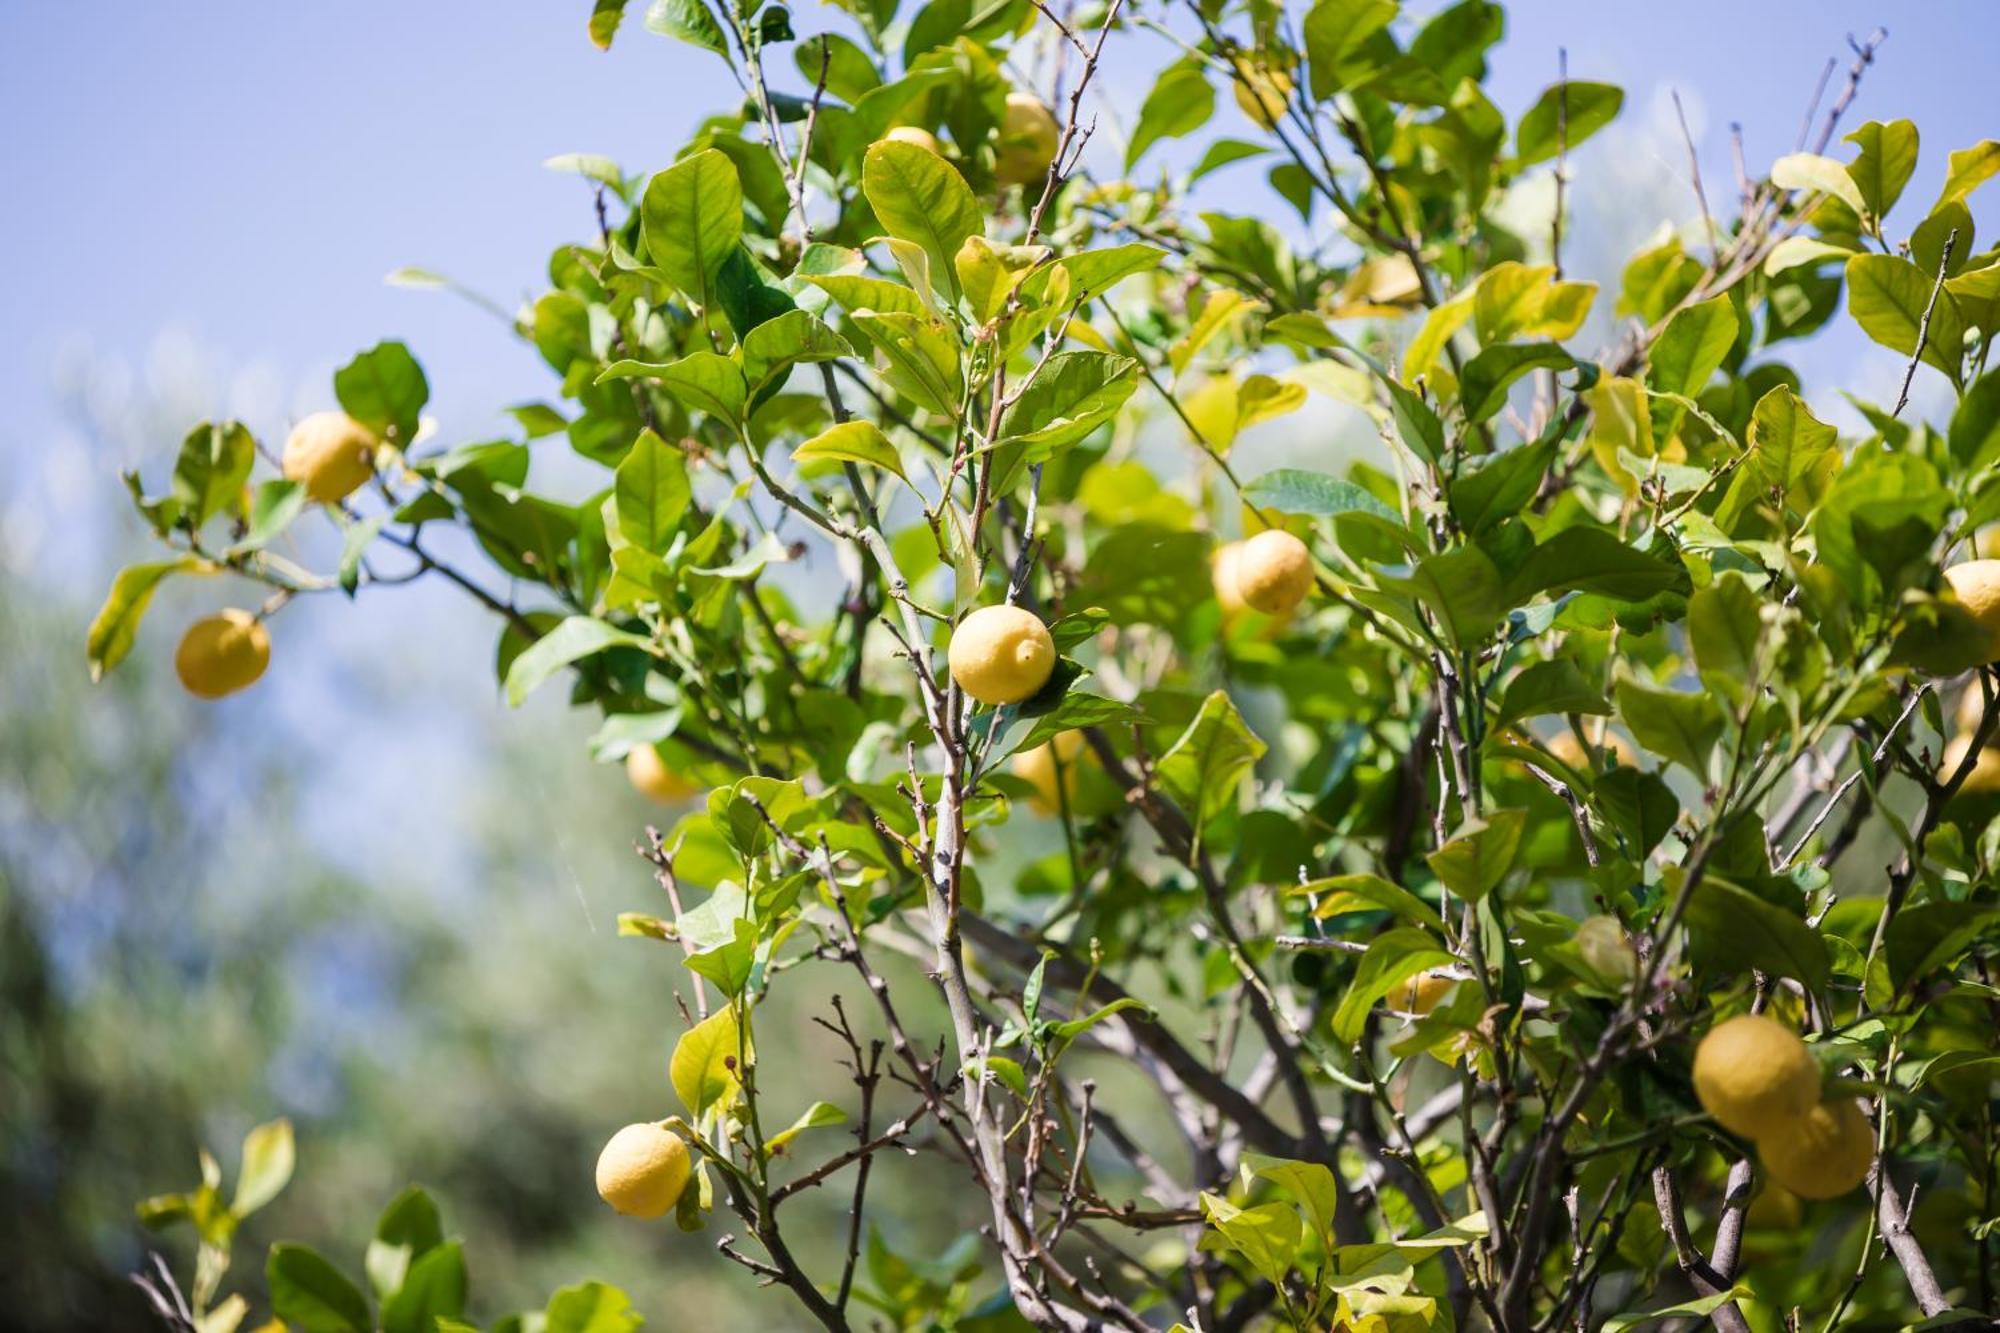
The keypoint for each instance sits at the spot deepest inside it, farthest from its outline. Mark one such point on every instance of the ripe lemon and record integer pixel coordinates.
(1985, 774)
(1601, 940)
(1039, 767)
(1977, 586)
(332, 454)
(1273, 572)
(1755, 1076)
(918, 135)
(1824, 1153)
(1222, 573)
(1263, 92)
(643, 1170)
(222, 654)
(1028, 138)
(1001, 654)
(651, 776)
(1421, 993)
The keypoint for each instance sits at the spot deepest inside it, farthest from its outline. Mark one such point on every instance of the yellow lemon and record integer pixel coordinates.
(332, 454)
(1755, 1076)
(1421, 993)
(1263, 92)
(1977, 586)
(1273, 572)
(1824, 1153)
(1602, 942)
(222, 654)
(1775, 1209)
(1222, 564)
(918, 135)
(1038, 766)
(1028, 138)
(1566, 747)
(1985, 774)
(651, 776)
(1001, 654)
(643, 1170)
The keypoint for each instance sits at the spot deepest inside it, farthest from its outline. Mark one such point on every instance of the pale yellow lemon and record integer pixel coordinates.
(1001, 654)
(918, 135)
(1602, 942)
(1039, 767)
(1263, 91)
(651, 776)
(643, 1170)
(1273, 572)
(1755, 1076)
(331, 454)
(1028, 138)
(1976, 583)
(1421, 993)
(1566, 747)
(1222, 574)
(1824, 1153)
(1985, 774)
(222, 654)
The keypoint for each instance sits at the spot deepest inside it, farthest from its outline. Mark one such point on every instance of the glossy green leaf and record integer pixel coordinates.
(1887, 295)
(1565, 113)
(311, 1293)
(920, 198)
(854, 441)
(691, 217)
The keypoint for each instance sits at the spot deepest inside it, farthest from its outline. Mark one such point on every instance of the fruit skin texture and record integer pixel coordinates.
(332, 454)
(643, 1170)
(1826, 1153)
(1421, 993)
(1273, 572)
(1755, 1076)
(1977, 586)
(916, 134)
(1601, 940)
(651, 776)
(1028, 139)
(222, 654)
(1039, 767)
(1001, 654)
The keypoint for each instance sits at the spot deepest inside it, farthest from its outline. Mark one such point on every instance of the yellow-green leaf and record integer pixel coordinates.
(854, 441)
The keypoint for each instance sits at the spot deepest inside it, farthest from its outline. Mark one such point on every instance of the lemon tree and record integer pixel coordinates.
(1286, 897)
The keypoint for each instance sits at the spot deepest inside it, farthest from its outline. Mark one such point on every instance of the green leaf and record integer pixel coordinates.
(409, 1226)
(1202, 769)
(1592, 560)
(653, 493)
(1585, 108)
(117, 621)
(729, 963)
(1928, 937)
(308, 1291)
(209, 472)
(1094, 272)
(1969, 169)
(855, 441)
(704, 1067)
(1417, 425)
(1393, 957)
(1515, 300)
(1681, 727)
(268, 1155)
(433, 1289)
(1474, 862)
(1888, 157)
(1554, 686)
(1267, 1236)
(1310, 1183)
(592, 1307)
(272, 508)
(1180, 102)
(700, 381)
(772, 348)
(1725, 628)
(691, 217)
(1071, 1029)
(1296, 491)
(922, 354)
(1337, 34)
(1694, 1309)
(605, 16)
(1975, 425)
(1070, 396)
(1734, 931)
(1817, 175)
(354, 539)
(817, 1116)
(921, 198)
(1341, 894)
(1483, 387)
(577, 637)
(1887, 296)
(1692, 346)
(590, 166)
(1497, 487)
(688, 21)
(385, 390)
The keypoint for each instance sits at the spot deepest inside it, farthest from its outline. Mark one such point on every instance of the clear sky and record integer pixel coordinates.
(211, 193)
